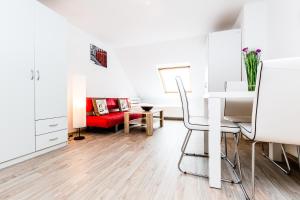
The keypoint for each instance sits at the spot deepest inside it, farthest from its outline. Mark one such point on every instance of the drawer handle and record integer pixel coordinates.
(53, 139)
(53, 125)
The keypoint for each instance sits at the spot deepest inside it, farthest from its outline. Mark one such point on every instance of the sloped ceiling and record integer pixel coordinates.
(123, 23)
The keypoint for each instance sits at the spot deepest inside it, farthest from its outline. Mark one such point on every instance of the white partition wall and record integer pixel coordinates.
(224, 59)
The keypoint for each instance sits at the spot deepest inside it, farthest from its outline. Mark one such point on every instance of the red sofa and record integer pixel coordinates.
(113, 119)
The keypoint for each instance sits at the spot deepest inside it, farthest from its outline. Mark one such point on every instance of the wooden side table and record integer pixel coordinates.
(148, 117)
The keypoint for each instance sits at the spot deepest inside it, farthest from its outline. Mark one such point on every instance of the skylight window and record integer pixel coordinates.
(168, 75)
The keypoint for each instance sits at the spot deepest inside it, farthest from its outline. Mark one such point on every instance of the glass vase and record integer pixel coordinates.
(251, 77)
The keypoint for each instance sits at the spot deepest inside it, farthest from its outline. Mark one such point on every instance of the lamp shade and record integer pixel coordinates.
(79, 101)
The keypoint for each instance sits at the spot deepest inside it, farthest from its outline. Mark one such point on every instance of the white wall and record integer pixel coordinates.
(252, 21)
(254, 25)
(283, 28)
(101, 82)
(273, 26)
(141, 63)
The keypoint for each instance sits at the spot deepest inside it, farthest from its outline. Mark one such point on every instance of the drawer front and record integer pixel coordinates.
(51, 125)
(51, 139)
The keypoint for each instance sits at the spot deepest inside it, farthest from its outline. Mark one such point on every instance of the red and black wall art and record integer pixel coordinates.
(98, 56)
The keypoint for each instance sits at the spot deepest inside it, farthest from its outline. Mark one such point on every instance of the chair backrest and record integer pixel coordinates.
(276, 109)
(184, 100)
(237, 107)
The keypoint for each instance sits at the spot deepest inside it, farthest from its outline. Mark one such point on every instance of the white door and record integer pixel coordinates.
(50, 64)
(225, 62)
(16, 79)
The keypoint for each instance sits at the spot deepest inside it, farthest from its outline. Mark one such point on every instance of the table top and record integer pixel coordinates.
(236, 94)
(141, 111)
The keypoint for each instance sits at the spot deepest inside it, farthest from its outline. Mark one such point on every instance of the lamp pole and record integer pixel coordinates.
(79, 137)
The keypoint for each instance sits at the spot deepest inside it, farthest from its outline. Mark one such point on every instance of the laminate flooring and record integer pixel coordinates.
(111, 165)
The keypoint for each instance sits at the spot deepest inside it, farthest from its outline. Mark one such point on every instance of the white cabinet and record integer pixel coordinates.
(225, 62)
(16, 82)
(51, 125)
(50, 64)
(48, 140)
(33, 80)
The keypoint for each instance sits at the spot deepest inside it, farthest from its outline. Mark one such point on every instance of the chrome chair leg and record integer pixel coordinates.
(184, 145)
(183, 153)
(186, 139)
(236, 160)
(225, 141)
(298, 151)
(286, 171)
(236, 164)
(286, 159)
(253, 170)
(225, 154)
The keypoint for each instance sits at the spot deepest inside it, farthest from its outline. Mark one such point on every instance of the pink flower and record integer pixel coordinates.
(245, 49)
(258, 50)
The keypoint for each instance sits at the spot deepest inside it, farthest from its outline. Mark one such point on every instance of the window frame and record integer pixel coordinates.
(170, 68)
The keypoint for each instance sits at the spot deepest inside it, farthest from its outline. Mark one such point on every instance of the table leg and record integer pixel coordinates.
(161, 116)
(149, 123)
(214, 163)
(126, 122)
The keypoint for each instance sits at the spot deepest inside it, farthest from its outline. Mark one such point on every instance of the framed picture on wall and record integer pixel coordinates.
(98, 56)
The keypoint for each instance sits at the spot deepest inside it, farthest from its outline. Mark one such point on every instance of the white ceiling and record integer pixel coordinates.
(133, 22)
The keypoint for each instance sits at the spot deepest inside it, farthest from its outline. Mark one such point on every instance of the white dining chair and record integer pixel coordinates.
(240, 111)
(276, 109)
(199, 124)
(237, 110)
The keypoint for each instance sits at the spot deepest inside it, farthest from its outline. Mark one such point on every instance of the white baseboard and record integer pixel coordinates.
(171, 111)
(32, 155)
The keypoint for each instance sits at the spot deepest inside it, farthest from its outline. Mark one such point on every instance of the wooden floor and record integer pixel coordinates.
(115, 166)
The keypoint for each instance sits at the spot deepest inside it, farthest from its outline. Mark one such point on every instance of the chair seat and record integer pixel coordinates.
(246, 129)
(239, 119)
(201, 124)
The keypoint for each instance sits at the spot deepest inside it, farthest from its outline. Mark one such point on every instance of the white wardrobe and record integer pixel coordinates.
(33, 81)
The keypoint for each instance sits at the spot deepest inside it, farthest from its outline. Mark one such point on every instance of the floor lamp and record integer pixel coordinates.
(79, 104)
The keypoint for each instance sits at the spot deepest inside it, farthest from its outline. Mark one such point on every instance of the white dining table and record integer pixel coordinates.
(215, 100)
(215, 107)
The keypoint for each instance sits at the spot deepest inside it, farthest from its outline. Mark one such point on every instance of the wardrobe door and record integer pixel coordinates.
(50, 64)
(17, 136)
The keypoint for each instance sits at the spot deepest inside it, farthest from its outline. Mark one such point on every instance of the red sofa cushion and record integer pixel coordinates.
(89, 105)
(109, 120)
(112, 103)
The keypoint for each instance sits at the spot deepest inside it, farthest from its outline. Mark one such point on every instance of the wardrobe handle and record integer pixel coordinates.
(38, 75)
(53, 125)
(53, 139)
(32, 74)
